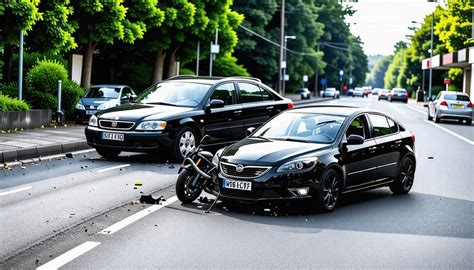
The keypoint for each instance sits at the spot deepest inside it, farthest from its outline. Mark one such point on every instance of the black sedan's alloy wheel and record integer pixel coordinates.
(185, 192)
(406, 175)
(329, 190)
(185, 140)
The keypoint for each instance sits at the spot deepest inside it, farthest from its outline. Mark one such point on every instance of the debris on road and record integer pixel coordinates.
(69, 155)
(430, 157)
(138, 183)
(148, 199)
(135, 202)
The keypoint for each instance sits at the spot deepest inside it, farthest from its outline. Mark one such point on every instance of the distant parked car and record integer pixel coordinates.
(359, 92)
(383, 94)
(450, 105)
(304, 93)
(101, 97)
(375, 92)
(331, 92)
(350, 92)
(398, 94)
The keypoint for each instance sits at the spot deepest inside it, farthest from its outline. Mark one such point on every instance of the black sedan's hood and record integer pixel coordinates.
(140, 112)
(263, 151)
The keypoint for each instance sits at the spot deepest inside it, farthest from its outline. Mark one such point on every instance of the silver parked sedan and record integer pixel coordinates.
(450, 105)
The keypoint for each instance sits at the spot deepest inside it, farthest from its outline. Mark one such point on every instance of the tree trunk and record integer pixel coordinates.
(158, 68)
(87, 65)
(7, 62)
(172, 63)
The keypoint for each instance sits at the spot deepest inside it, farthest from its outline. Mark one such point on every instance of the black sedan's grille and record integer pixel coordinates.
(240, 171)
(112, 124)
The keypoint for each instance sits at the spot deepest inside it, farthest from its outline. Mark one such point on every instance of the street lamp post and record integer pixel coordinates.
(284, 64)
(431, 57)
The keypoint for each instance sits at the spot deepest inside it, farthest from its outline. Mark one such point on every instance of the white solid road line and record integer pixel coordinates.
(69, 256)
(129, 220)
(113, 168)
(14, 191)
(450, 132)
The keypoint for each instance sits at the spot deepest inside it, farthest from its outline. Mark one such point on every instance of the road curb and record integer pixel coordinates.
(41, 151)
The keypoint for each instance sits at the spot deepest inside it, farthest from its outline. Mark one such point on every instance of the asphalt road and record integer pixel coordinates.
(80, 213)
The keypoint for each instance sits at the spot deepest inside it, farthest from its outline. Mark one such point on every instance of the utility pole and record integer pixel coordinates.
(20, 67)
(282, 39)
(197, 58)
(214, 51)
(431, 57)
(316, 75)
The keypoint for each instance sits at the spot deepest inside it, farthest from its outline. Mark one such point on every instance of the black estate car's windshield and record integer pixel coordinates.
(174, 93)
(291, 126)
(102, 92)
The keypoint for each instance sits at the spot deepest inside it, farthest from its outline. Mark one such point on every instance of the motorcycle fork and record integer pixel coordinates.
(196, 178)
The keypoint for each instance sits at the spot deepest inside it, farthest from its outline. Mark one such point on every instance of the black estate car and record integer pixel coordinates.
(171, 116)
(318, 153)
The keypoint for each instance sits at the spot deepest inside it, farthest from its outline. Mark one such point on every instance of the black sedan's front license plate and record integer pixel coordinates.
(234, 184)
(113, 136)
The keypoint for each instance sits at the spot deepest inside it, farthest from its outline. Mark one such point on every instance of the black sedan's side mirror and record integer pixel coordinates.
(355, 139)
(250, 130)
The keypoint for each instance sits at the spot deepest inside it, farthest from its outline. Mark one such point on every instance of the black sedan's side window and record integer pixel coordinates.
(380, 125)
(225, 92)
(358, 126)
(250, 92)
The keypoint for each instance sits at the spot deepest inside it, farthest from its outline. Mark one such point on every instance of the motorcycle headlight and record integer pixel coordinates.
(106, 105)
(79, 106)
(216, 157)
(298, 165)
(93, 121)
(151, 125)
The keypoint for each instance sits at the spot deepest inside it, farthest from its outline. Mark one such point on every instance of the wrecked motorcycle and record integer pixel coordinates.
(197, 173)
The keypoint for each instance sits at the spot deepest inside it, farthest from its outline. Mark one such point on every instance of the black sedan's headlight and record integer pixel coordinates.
(299, 165)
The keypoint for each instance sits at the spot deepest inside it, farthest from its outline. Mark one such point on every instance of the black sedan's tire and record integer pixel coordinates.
(429, 116)
(469, 122)
(405, 177)
(183, 191)
(186, 139)
(108, 153)
(328, 194)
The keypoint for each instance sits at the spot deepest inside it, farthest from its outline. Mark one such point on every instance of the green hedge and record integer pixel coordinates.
(12, 104)
(9, 89)
(42, 87)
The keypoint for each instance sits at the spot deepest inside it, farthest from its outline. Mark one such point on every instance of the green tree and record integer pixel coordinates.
(359, 63)
(101, 22)
(376, 77)
(15, 15)
(393, 70)
(455, 24)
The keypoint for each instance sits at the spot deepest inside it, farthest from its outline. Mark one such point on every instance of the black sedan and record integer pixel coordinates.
(170, 117)
(318, 153)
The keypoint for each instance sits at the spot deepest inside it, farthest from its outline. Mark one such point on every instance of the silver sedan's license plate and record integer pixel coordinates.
(240, 185)
(113, 136)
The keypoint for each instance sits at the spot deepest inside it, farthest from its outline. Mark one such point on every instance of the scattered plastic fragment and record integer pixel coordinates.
(69, 155)
(430, 157)
(138, 183)
(23, 167)
(135, 202)
(203, 199)
(148, 199)
(171, 167)
(7, 168)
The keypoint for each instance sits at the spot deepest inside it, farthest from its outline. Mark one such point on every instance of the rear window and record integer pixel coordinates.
(456, 97)
(400, 91)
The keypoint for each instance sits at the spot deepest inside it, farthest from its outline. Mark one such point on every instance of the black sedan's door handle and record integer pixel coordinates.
(373, 148)
(238, 112)
(398, 142)
(269, 108)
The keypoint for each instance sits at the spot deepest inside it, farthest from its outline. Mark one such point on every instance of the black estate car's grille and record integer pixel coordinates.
(112, 124)
(241, 171)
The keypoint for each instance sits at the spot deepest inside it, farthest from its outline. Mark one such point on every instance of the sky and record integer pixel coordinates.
(382, 23)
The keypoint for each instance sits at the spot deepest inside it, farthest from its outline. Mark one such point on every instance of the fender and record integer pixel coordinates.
(190, 122)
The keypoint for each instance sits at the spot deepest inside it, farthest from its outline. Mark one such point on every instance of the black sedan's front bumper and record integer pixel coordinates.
(134, 141)
(271, 187)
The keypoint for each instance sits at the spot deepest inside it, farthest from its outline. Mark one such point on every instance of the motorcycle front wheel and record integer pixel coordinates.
(184, 190)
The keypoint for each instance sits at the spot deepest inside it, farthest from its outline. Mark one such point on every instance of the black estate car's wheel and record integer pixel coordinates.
(328, 194)
(108, 153)
(184, 191)
(185, 140)
(469, 122)
(404, 179)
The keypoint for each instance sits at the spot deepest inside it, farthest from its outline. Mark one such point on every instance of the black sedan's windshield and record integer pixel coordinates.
(102, 92)
(174, 93)
(302, 127)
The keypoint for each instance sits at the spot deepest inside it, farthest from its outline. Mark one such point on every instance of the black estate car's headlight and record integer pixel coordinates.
(216, 157)
(93, 121)
(151, 125)
(298, 165)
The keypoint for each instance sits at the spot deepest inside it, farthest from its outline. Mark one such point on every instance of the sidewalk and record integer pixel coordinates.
(34, 143)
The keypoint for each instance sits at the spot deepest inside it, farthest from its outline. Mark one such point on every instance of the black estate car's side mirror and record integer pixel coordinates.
(250, 130)
(217, 103)
(355, 139)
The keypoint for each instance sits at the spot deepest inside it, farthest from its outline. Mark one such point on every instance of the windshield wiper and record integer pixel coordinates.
(289, 139)
(162, 103)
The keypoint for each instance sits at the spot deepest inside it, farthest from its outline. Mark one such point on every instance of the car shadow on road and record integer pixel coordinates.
(374, 211)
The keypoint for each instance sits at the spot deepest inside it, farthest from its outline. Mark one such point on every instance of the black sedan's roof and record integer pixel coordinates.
(331, 109)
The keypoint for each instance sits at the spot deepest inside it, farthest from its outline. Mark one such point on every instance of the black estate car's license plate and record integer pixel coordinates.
(240, 185)
(113, 136)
